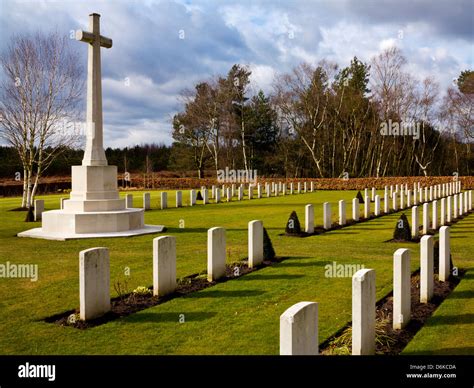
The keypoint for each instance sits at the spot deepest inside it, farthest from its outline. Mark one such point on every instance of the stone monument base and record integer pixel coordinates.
(93, 210)
(63, 236)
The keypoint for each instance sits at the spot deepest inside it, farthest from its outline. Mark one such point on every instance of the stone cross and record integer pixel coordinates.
(94, 154)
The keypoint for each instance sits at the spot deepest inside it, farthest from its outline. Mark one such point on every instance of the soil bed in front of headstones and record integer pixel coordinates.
(131, 303)
(388, 340)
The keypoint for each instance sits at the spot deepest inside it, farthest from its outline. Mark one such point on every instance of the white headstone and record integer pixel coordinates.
(444, 253)
(363, 312)
(435, 214)
(94, 282)
(259, 191)
(164, 200)
(426, 268)
(205, 196)
(192, 197)
(377, 205)
(443, 212)
(449, 210)
(240, 193)
(129, 200)
(216, 253)
(342, 212)
(39, 209)
(373, 194)
(299, 330)
(386, 203)
(455, 206)
(327, 215)
(355, 209)
(415, 225)
(218, 195)
(426, 217)
(255, 243)
(146, 201)
(366, 207)
(401, 288)
(395, 201)
(309, 219)
(229, 194)
(164, 265)
(179, 198)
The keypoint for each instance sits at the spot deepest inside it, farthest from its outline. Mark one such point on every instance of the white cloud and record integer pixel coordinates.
(262, 77)
(388, 43)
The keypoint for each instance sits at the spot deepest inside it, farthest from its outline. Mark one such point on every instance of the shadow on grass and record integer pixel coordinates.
(201, 230)
(295, 263)
(462, 350)
(224, 294)
(271, 277)
(341, 231)
(171, 317)
(468, 294)
(451, 319)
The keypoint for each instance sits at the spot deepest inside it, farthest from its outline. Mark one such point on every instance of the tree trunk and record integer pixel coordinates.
(25, 189)
(28, 191)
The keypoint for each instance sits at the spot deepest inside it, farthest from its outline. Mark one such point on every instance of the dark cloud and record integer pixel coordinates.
(451, 19)
(149, 64)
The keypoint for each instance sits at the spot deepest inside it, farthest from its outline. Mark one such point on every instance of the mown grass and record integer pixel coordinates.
(237, 317)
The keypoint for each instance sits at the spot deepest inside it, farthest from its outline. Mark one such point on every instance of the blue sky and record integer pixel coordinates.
(269, 36)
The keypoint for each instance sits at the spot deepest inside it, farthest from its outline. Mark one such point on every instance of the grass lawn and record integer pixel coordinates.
(237, 317)
(451, 328)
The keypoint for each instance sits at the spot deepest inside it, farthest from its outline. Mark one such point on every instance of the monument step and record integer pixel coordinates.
(68, 221)
(94, 205)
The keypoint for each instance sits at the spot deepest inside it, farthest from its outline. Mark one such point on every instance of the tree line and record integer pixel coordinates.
(367, 119)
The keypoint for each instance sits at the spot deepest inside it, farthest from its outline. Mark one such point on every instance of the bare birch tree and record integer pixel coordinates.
(40, 92)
